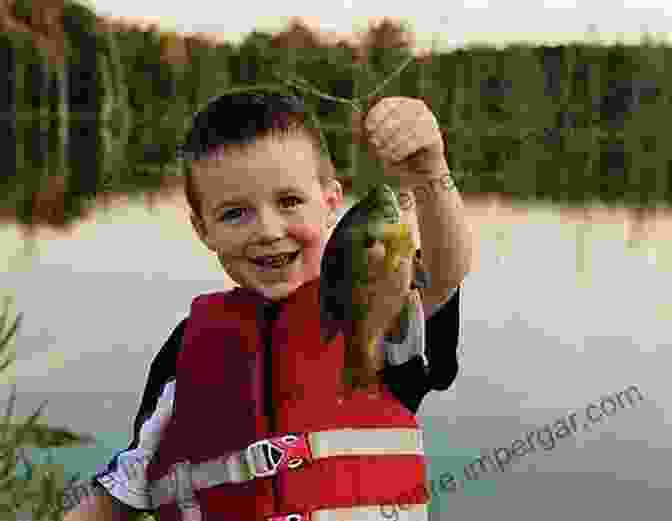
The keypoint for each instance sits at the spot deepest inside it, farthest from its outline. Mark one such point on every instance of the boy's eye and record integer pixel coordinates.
(237, 213)
(230, 214)
(293, 197)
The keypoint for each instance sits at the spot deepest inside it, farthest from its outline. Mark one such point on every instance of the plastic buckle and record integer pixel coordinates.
(290, 517)
(183, 486)
(269, 456)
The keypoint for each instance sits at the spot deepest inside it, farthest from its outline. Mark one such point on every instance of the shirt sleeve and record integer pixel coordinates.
(442, 337)
(124, 477)
(425, 357)
(127, 481)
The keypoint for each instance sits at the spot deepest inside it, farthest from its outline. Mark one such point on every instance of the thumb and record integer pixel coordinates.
(376, 254)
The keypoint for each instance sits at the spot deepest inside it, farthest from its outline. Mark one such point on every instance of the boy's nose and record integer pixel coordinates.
(270, 224)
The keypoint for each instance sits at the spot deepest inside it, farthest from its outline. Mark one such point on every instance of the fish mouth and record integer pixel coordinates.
(382, 204)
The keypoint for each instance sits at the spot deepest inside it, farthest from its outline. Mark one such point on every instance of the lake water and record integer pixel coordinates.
(561, 309)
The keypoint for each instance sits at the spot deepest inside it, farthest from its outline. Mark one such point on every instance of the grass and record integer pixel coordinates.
(40, 495)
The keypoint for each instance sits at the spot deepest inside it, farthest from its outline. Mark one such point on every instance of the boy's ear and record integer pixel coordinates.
(334, 194)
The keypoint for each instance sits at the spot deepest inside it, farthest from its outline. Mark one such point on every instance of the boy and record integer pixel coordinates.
(263, 198)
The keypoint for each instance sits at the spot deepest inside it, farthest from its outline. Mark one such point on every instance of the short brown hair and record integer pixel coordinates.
(240, 117)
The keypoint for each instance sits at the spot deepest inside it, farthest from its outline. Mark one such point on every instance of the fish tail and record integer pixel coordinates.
(359, 369)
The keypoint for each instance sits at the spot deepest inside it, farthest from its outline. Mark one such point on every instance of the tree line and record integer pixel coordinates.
(101, 111)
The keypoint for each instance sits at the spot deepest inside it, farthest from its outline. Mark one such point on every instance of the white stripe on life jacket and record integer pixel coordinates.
(416, 512)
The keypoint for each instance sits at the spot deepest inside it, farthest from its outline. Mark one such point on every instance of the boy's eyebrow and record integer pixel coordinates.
(240, 201)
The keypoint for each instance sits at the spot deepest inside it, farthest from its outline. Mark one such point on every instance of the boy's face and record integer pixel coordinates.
(265, 199)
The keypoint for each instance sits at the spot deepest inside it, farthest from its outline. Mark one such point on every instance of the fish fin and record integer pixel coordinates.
(328, 332)
(329, 325)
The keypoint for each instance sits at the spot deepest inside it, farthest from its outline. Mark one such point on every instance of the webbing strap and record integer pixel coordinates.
(238, 467)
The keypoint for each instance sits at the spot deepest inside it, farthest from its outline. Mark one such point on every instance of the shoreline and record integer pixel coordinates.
(482, 208)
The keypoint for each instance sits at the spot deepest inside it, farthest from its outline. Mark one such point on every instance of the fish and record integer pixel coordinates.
(344, 269)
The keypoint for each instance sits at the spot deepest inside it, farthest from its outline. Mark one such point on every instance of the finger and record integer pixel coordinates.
(404, 277)
(390, 133)
(400, 146)
(376, 259)
(376, 252)
(380, 110)
(394, 284)
(414, 298)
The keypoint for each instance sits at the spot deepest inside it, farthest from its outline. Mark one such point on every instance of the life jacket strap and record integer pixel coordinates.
(269, 456)
(185, 498)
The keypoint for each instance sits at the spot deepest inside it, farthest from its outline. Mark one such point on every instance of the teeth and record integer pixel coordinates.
(278, 259)
(275, 260)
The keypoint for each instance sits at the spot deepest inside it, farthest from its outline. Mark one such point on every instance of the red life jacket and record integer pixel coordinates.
(218, 411)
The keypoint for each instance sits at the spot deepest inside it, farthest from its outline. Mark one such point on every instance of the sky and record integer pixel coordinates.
(454, 24)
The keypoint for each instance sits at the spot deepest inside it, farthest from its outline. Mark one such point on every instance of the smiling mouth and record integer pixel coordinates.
(275, 261)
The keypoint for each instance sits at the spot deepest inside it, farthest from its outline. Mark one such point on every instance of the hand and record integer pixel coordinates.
(405, 135)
